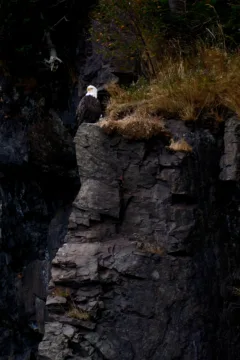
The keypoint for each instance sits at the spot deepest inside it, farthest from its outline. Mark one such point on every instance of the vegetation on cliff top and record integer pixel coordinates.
(205, 85)
(188, 60)
(144, 31)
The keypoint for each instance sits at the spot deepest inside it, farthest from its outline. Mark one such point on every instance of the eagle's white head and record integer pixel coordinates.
(91, 90)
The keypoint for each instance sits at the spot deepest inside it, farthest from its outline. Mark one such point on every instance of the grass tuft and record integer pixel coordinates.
(135, 127)
(78, 314)
(180, 145)
(60, 291)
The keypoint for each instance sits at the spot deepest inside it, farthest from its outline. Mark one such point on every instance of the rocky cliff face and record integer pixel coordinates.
(149, 265)
(38, 175)
(38, 181)
(145, 253)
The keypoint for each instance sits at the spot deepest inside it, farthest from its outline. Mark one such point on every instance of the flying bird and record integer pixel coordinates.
(89, 108)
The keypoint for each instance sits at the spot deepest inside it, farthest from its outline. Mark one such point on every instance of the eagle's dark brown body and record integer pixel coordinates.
(88, 110)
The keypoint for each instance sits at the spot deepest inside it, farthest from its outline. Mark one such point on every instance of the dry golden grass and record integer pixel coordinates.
(60, 291)
(150, 248)
(135, 127)
(189, 88)
(180, 145)
(125, 102)
(78, 314)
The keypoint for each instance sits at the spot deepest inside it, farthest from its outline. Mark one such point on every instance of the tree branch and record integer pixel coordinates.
(54, 60)
(58, 22)
(57, 3)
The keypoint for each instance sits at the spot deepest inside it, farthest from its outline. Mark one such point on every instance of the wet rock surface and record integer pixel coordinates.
(148, 266)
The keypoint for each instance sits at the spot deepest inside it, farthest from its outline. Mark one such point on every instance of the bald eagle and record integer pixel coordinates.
(89, 108)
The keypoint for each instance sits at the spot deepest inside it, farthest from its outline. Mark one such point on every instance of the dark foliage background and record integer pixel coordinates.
(25, 23)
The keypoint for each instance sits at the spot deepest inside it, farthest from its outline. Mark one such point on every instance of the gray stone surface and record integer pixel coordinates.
(98, 197)
(230, 159)
(145, 254)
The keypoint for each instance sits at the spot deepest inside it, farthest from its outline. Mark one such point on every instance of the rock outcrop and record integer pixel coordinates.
(148, 269)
